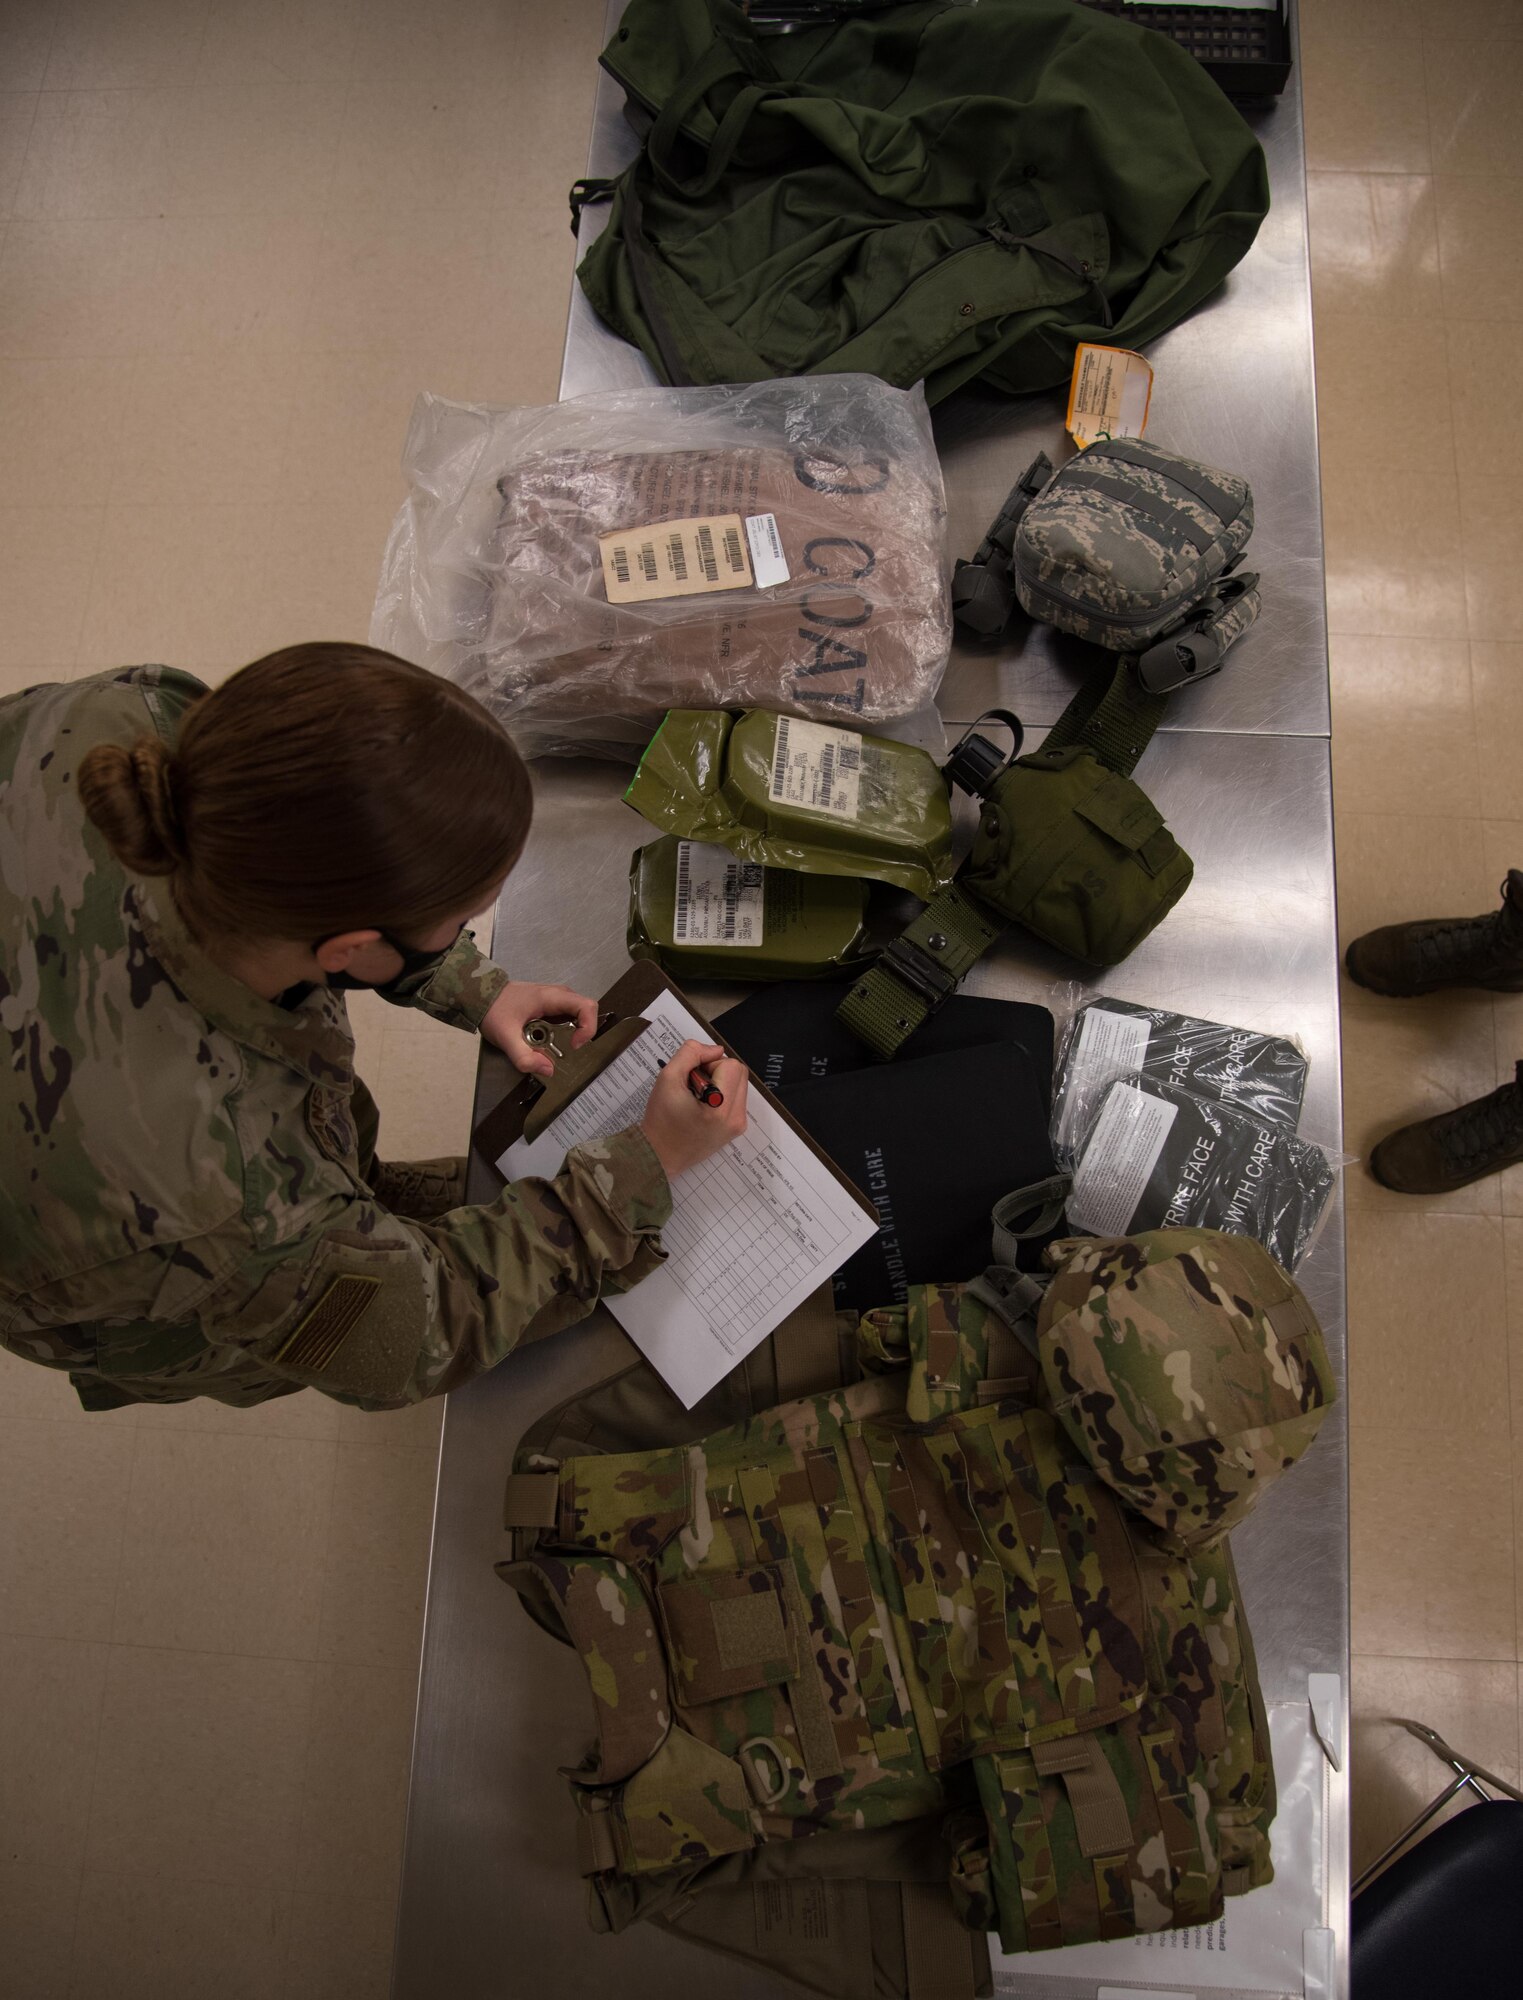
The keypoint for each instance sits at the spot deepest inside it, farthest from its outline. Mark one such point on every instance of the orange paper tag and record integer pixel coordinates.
(1109, 395)
(675, 559)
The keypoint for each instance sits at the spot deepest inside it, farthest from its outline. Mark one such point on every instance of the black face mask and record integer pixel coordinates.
(416, 964)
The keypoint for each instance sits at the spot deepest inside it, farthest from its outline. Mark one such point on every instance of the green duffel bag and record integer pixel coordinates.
(1068, 846)
(924, 192)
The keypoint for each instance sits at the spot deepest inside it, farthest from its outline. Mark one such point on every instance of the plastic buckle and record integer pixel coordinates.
(974, 765)
(927, 980)
(982, 596)
(983, 603)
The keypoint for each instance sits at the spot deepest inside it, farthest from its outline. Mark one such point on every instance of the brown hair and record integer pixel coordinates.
(325, 788)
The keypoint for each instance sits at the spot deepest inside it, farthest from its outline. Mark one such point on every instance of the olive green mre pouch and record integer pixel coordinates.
(792, 793)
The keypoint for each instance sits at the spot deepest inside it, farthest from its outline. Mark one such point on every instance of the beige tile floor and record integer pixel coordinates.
(1415, 153)
(235, 237)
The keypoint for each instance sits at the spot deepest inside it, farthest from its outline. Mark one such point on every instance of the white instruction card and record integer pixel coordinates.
(753, 1230)
(769, 565)
(816, 768)
(719, 898)
(1122, 1151)
(1109, 1045)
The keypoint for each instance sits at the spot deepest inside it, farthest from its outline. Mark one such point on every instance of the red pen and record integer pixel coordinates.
(705, 1089)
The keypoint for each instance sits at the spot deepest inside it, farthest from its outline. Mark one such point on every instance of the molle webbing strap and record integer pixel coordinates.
(1027, 1213)
(919, 970)
(1222, 505)
(532, 1500)
(806, 1693)
(983, 588)
(811, 1713)
(1113, 720)
(596, 1849)
(939, 1958)
(805, 1350)
(1172, 520)
(1013, 1299)
(1101, 1820)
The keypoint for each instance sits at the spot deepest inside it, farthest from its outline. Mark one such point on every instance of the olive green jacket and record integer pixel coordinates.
(183, 1203)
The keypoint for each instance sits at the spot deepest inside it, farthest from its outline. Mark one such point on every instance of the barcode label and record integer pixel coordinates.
(780, 757)
(675, 559)
(768, 563)
(720, 898)
(816, 769)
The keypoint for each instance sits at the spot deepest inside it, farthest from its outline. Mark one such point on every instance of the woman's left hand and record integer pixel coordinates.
(520, 1003)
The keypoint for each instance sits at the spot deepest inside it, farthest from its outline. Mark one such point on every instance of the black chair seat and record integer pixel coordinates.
(1447, 1917)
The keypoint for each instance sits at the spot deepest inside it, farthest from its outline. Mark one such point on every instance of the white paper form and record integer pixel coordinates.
(754, 1229)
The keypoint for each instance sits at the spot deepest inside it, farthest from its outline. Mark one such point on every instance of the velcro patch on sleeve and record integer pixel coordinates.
(320, 1334)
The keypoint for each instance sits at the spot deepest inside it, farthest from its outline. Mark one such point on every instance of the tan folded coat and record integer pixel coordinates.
(858, 633)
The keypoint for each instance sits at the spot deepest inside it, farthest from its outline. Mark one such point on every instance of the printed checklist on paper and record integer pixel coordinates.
(754, 1229)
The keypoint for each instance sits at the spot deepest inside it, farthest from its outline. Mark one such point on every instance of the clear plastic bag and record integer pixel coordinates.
(1158, 1157)
(1262, 1075)
(801, 528)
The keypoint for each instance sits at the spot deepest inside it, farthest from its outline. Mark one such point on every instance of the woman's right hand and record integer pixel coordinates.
(683, 1132)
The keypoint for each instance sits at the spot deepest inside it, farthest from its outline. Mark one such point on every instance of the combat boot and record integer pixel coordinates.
(1403, 960)
(1457, 1147)
(422, 1190)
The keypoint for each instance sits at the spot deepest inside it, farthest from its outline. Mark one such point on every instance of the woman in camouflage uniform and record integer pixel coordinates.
(190, 1201)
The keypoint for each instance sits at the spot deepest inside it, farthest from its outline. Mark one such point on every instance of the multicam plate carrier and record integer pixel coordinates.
(919, 1607)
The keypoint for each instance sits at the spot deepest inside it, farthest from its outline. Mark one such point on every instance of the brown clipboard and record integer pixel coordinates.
(624, 1002)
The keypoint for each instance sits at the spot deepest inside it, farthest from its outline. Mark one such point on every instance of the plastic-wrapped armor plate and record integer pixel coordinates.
(1263, 1075)
(1157, 1157)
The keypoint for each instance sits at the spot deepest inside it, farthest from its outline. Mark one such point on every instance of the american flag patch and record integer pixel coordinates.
(322, 1332)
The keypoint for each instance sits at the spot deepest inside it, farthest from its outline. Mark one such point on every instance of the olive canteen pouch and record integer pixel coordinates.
(1077, 854)
(795, 794)
(1067, 846)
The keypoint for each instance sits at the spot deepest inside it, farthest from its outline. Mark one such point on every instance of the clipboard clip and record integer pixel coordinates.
(574, 1068)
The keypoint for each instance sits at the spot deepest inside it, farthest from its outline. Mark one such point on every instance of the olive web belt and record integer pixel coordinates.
(919, 969)
(1114, 720)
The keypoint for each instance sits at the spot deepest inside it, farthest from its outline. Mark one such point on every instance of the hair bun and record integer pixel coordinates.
(151, 769)
(129, 796)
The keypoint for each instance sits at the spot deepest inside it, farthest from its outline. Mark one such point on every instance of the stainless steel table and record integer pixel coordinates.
(490, 1903)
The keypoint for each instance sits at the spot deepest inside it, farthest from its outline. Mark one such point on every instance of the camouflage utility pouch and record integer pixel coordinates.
(1127, 545)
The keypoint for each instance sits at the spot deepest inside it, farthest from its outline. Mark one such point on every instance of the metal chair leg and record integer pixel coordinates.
(1467, 1774)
